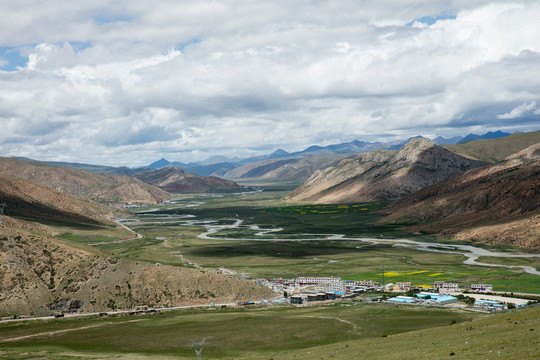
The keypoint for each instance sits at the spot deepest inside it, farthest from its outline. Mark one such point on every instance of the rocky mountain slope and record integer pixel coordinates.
(383, 175)
(93, 186)
(175, 179)
(30, 200)
(286, 169)
(497, 204)
(47, 276)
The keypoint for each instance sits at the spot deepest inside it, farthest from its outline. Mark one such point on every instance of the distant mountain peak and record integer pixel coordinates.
(419, 142)
(489, 135)
(160, 164)
(279, 152)
(440, 140)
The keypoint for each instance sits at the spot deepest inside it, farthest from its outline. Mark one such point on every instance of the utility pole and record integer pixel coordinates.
(10, 252)
(2, 206)
(198, 352)
(382, 272)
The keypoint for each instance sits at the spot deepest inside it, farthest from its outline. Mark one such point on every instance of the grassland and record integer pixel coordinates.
(91, 233)
(230, 333)
(169, 238)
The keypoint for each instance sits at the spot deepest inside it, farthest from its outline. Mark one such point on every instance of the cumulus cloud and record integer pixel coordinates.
(134, 80)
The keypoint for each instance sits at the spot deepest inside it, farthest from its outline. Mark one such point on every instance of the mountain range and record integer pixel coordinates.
(383, 175)
(478, 191)
(223, 166)
(446, 193)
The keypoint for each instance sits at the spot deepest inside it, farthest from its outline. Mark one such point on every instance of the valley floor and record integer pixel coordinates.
(257, 236)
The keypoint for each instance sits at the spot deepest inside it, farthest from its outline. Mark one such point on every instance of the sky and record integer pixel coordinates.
(126, 82)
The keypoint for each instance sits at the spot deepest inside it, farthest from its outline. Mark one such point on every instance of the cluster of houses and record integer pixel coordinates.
(312, 284)
(309, 289)
(439, 286)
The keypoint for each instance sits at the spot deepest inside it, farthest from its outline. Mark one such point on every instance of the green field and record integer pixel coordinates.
(230, 333)
(345, 331)
(169, 238)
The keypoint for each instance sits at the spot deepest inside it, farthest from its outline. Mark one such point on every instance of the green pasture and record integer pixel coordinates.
(91, 233)
(168, 240)
(230, 333)
(534, 262)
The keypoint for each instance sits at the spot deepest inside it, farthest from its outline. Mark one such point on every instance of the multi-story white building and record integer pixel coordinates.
(445, 288)
(323, 283)
(402, 286)
(367, 283)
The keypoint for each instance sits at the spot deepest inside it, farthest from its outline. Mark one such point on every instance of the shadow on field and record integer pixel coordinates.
(292, 249)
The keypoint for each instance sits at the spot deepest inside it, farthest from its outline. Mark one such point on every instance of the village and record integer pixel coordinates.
(314, 290)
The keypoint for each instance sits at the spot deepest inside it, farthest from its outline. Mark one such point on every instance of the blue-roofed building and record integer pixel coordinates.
(402, 300)
(436, 298)
(489, 305)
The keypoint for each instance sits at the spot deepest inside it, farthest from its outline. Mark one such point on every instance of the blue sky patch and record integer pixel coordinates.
(182, 46)
(80, 45)
(429, 20)
(106, 19)
(11, 58)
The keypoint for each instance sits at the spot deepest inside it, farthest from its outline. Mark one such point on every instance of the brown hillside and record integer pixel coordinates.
(93, 186)
(174, 179)
(47, 276)
(29, 200)
(383, 174)
(498, 204)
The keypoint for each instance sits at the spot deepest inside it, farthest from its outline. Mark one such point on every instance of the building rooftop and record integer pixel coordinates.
(402, 299)
(488, 301)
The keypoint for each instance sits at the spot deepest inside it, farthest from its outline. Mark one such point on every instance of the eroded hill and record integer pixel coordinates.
(30, 200)
(46, 275)
(497, 204)
(384, 175)
(99, 187)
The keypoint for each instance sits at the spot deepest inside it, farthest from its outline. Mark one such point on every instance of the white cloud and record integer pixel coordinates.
(195, 77)
(519, 111)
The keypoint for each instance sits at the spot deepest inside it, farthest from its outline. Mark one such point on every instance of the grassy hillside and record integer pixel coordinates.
(347, 331)
(231, 333)
(503, 336)
(495, 150)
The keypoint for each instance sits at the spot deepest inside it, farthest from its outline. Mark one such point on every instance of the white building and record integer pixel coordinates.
(482, 287)
(322, 283)
(445, 288)
(402, 286)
